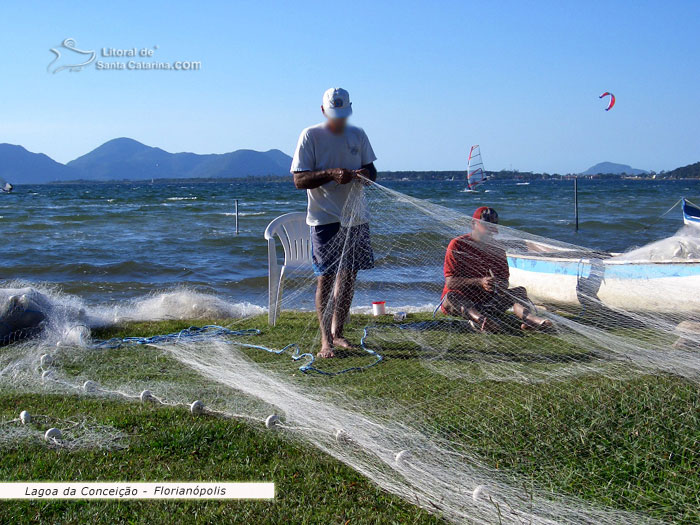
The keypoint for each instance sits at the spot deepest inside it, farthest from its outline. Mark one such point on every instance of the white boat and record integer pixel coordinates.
(568, 278)
(5, 187)
(691, 213)
(662, 277)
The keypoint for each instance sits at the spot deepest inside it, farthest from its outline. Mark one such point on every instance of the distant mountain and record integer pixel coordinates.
(126, 158)
(610, 168)
(19, 166)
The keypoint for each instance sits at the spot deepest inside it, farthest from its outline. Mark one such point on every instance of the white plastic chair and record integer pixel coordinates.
(295, 236)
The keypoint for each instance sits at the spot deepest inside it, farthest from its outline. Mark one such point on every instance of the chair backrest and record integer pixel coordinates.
(294, 235)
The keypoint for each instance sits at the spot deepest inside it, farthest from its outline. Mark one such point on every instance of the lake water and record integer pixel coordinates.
(111, 242)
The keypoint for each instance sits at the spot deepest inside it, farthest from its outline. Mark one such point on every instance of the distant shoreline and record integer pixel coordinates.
(112, 160)
(446, 176)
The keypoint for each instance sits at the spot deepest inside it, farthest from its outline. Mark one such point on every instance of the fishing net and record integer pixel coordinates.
(684, 246)
(577, 403)
(68, 434)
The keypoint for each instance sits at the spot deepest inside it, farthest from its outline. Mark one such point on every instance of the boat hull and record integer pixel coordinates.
(665, 287)
(691, 214)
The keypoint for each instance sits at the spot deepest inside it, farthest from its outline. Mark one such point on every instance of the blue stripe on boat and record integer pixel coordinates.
(612, 271)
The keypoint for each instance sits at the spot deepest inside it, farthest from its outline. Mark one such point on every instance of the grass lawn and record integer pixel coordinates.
(630, 442)
(168, 444)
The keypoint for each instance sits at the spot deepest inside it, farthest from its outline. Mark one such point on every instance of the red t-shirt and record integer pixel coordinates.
(468, 258)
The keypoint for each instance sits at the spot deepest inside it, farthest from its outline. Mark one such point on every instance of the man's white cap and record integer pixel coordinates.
(336, 103)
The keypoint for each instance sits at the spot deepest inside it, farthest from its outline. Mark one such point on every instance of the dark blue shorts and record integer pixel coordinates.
(336, 248)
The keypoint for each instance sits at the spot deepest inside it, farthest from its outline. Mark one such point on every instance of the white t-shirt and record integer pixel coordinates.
(319, 149)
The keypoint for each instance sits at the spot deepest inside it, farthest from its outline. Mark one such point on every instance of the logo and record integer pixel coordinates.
(75, 59)
(337, 103)
(67, 56)
(353, 147)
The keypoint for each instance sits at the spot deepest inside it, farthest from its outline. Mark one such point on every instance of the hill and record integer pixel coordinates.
(125, 158)
(691, 171)
(20, 166)
(610, 168)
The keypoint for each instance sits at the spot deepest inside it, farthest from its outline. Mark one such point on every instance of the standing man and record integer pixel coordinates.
(332, 159)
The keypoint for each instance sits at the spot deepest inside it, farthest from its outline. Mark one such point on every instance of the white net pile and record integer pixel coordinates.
(684, 246)
(592, 419)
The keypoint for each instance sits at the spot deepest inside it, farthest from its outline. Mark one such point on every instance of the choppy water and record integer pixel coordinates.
(110, 242)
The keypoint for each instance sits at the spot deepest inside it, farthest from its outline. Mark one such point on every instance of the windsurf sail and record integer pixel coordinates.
(5, 186)
(691, 213)
(475, 168)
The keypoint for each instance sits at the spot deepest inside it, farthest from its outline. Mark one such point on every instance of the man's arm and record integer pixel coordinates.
(308, 180)
(454, 260)
(462, 283)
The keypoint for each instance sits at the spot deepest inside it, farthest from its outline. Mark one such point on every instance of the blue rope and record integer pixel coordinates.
(195, 333)
(297, 354)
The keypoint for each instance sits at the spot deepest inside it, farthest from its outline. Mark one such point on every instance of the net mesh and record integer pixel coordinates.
(73, 434)
(577, 402)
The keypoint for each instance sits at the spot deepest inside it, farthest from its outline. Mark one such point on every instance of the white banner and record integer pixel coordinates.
(78, 490)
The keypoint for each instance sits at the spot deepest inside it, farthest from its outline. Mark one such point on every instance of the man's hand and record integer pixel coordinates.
(341, 175)
(363, 175)
(502, 284)
(488, 283)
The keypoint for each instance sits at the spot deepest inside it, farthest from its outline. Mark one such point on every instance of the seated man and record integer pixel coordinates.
(476, 279)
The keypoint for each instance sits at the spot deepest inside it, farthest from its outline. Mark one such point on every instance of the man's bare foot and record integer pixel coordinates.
(326, 353)
(488, 325)
(537, 323)
(484, 324)
(341, 342)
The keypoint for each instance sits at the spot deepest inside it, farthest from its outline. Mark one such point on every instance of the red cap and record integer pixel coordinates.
(479, 211)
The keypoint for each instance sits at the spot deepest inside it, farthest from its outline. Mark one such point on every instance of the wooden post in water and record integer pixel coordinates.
(236, 202)
(576, 202)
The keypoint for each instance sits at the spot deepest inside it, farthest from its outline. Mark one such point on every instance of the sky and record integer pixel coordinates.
(427, 79)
